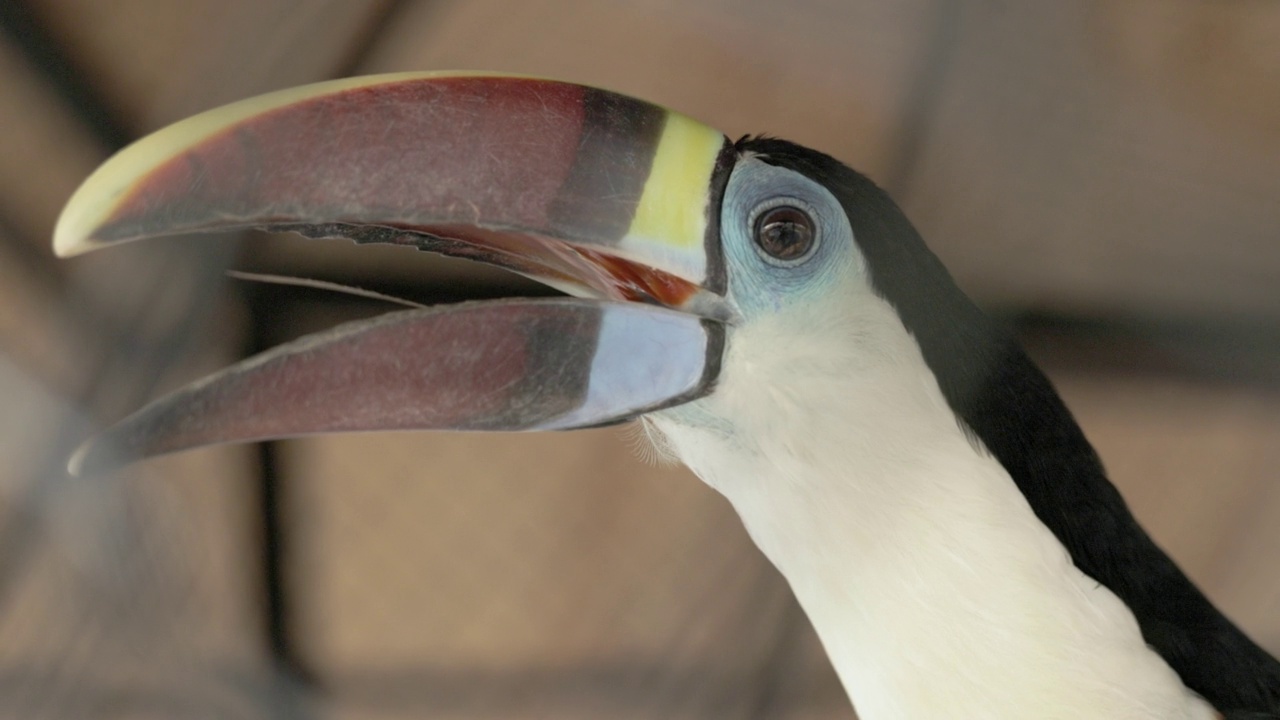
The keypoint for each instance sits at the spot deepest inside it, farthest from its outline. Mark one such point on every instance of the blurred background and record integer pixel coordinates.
(1103, 175)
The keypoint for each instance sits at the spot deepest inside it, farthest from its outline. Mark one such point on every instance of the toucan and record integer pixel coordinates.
(769, 316)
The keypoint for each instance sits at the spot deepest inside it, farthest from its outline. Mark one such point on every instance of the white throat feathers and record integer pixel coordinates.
(935, 589)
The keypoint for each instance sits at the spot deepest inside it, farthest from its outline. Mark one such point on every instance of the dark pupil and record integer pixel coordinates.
(785, 233)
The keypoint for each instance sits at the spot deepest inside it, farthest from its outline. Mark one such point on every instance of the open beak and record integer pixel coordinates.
(610, 199)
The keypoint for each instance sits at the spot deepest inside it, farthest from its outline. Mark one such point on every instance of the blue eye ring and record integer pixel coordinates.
(784, 231)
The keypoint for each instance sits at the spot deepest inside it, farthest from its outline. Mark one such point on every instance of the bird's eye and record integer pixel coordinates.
(785, 233)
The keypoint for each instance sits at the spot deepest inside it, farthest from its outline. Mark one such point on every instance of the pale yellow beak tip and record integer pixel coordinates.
(83, 215)
(69, 243)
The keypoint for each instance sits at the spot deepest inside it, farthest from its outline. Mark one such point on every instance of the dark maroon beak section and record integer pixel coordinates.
(511, 365)
(373, 154)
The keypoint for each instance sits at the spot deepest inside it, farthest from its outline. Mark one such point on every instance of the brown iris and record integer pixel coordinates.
(785, 232)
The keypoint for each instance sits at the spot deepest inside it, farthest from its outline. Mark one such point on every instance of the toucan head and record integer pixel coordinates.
(668, 238)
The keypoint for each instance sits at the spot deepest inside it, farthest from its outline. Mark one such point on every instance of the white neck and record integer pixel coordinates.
(933, 586)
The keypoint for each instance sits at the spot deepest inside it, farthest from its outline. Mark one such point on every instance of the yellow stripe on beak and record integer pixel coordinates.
(671, 219)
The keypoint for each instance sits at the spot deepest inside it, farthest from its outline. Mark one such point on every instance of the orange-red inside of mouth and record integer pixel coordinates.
(558, 262)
